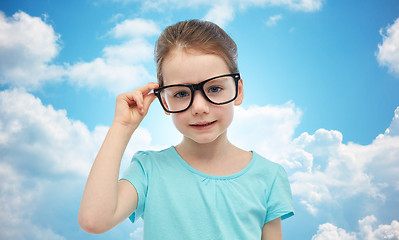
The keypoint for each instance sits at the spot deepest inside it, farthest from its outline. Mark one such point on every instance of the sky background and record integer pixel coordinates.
(321, 81)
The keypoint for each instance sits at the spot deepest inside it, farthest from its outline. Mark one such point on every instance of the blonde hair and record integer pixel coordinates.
(203, 36)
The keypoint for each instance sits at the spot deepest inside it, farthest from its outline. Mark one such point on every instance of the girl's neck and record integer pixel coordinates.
(207, 151)
(219, 157)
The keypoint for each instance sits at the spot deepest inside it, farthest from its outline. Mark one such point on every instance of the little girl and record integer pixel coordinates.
(204, 187)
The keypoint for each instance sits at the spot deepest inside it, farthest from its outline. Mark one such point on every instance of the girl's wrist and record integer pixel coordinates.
(123, 128)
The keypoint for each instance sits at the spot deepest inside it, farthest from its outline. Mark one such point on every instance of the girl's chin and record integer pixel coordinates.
(203, 141)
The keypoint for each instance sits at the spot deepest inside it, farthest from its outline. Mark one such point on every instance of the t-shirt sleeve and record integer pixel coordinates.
(279, 202)
(136, 174)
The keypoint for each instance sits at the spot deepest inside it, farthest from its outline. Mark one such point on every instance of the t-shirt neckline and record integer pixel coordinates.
(209, 176)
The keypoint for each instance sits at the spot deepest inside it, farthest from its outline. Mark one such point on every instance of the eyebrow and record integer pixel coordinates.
(235, 75)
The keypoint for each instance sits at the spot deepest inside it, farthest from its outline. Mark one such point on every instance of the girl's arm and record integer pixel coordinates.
(107, 202)
(272, 230)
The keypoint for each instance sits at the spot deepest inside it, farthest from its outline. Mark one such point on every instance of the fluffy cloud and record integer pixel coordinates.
(121, 66)
(42, 145)
(342, 171)
(388, 51)
(223, 11)
(322, 168)
(227, 7)
(135, 28)
(41, 150)
(138, 232)
(266, 129)
(38, 139)
(104, 73)
(367, 231)
(14, 199)
(273, 20)
(393, 129)
(27, 47)
(328, 231)
(298, 5)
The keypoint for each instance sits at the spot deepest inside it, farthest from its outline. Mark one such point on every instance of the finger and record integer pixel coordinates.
(148, 100)
(134, 98)
(148, 88)
(145, 90)
(139, 99)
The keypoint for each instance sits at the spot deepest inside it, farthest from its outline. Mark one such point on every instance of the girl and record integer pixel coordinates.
(204, 187)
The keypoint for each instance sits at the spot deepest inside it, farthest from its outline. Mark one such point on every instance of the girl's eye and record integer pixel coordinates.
(214, 89)
(181, 94)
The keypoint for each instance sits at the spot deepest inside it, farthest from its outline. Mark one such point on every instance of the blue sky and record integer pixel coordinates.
(321, 82)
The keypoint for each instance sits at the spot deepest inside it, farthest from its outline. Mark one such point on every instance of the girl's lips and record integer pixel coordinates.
(203, 125)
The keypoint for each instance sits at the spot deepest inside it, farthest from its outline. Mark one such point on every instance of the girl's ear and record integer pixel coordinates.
(240, 94)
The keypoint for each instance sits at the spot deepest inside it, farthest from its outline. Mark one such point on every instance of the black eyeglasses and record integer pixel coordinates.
(217, 90)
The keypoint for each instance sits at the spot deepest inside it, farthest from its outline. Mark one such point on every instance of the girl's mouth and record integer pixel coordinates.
(203, 125)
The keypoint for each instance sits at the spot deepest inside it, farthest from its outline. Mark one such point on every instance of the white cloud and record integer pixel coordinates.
(380, 160)
(266, 129)
(15, 216)
(388, 51)
(306, 5)
(109, 75)
(27, 47)
(129, 53)
(221, 13)
(382, 232)
(298, 5)
(367, 228)
(121, 67)
(39, 139)
(135, 28)
(393, 129)
(41, 150)
(125, 1)
(41, 143)
(328, 231)
(138, 232)
(323, 170)
(273, 20)
(342, 171)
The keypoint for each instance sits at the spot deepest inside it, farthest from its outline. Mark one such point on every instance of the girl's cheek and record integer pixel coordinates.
(179, 120)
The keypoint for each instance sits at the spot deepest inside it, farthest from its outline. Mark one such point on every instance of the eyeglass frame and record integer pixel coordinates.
(198, 86)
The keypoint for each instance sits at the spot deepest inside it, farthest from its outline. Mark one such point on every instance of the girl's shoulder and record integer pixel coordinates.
(150, 158)
(266, 166)
(264, 161)
(152, 154)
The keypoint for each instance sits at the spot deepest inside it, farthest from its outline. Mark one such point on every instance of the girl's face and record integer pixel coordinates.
(203, 122)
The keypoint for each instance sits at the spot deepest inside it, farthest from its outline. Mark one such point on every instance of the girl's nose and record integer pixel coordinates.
(200, 105)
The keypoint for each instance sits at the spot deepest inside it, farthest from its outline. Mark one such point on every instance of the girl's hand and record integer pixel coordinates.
(132, 107)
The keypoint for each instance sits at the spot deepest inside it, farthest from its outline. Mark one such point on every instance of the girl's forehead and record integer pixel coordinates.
(181, 67)
(190, 53)
(180, 52)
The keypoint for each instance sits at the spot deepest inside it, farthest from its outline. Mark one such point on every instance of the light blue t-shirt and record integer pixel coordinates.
(177, 201)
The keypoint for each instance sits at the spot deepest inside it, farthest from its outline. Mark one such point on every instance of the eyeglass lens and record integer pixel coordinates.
(218, 91)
